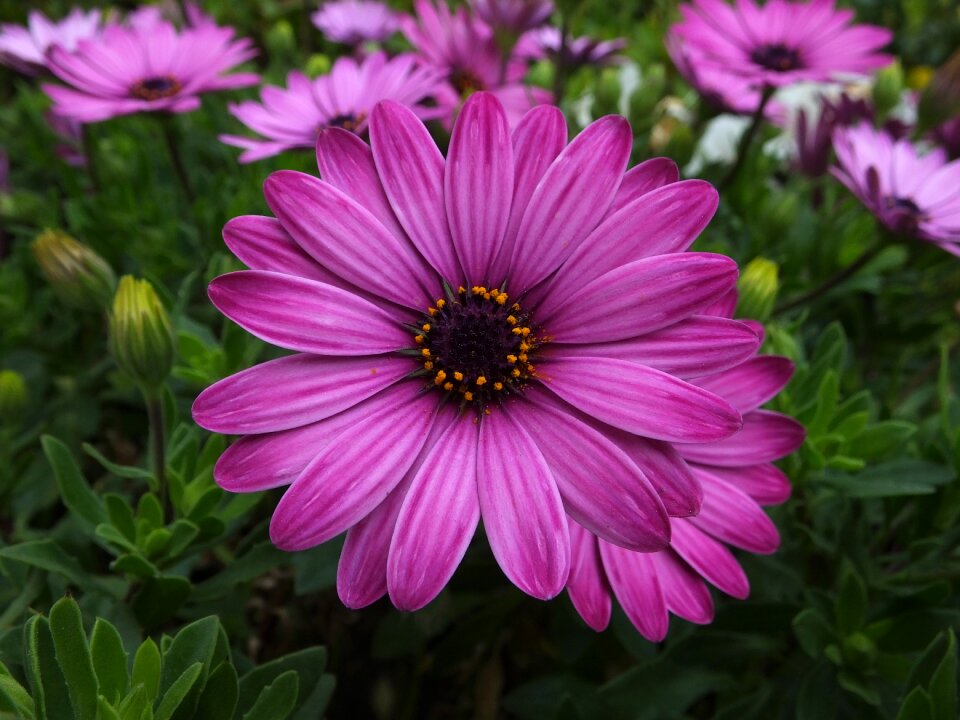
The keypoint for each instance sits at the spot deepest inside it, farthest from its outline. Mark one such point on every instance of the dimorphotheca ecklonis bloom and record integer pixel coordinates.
(26, 48)
(508, 334)
(513, 16)
(780, 42)
(576, 51)
(291, 117)
(146, 67)
(736, 476)
(913, 194)
(356, 21)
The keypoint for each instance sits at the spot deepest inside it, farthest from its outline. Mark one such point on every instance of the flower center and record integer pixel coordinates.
(476, 347)
(347, 121)
(777, 57)
(155, 88)
(905, 214)
(466, 82)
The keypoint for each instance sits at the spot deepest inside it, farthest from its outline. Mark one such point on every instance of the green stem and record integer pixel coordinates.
(747, 140)
(173, 150)
(865, 257)
(155, 417)
(560, 72)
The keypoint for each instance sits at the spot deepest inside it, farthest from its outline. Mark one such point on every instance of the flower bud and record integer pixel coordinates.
(80, 276)
(141, 337)
(13, 396)
(317, 65)
(888, 88)
(758, 287)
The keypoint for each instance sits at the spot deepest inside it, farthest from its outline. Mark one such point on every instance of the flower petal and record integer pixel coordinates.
(602, 489)
(711, 559)
(637, 298)
(634, 580)
(438, 519)
(643, 178)
(411, 170)
(305, 315)
(346, 481)
(587, 586)
(765, 483)
(685, 593)
(522, 512)
(570, 200)
(733, 517)
(349, 241)
(639, 399)
(478, 184)
(261, 243)
(766, 436)
(667, 472)
(293, 391)
(752, 383)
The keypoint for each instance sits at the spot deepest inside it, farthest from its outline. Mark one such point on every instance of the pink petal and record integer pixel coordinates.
(293, 391)
(667, 472)
(685, 593)
(438, 519)
(305, 315)
(645, 177)
(711, 559)
(765, 483)
(731, 516)
(752, 383)
(639, 399)
(570, 200)
(347, 240)
(602, 489)
(638, 298)
(346, 480)
(522, 512)
(411, 169)
(478, 184)
(634, 580)
(261, 243)
(587, 585)
(766, 436)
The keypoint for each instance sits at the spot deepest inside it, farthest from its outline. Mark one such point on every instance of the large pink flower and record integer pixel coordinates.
(291, 117)
(736, 476)
(913, 194)
(356, 21)
(464, 49)
(780, 42)
(26, 48)
(510, 333)
(147, 67)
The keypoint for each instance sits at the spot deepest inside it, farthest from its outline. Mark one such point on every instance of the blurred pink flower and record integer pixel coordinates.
(148, 67)
(70, 133)
(913, 194)
(947, 136)
(291, 117)
(578, 51)
(26, 48)
(464, 48)
(356, 21)
(780, 42)
(513, 16)
(564, 398)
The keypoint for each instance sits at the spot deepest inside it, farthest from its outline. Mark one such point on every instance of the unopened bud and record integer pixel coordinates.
(13, 396)
(141, 336)
(317, 65)
(888, 88)
(78, 275)
(758, 287)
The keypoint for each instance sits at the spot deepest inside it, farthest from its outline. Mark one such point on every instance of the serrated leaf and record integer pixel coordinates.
(146, 668)
(178, 691)
(74, 490)
(277, 699)
(73, 656)
(109, 660)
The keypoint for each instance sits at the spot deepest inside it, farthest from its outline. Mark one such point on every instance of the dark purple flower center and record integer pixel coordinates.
(155, 88)
(904, 214)
(347, 121)
(476, 346)
(777, 57)
(466, 82)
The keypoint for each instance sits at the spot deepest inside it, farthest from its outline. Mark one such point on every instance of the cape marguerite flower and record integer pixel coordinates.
(509, 333)
(513, 16)
(356, 21)
(26, 48)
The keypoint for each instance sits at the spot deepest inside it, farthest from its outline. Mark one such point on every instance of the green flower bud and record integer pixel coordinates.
(13, 396)
(141, 337)
(758, 289)
(888, 88)
(609, 90)
(317, 65)
(78, 275)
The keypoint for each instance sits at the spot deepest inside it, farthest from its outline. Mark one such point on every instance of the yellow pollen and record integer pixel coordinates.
(458, 376)
(448, 386)
(525, 331)
(523, 357)
(441, 376)
(498, 386)
(468, 395)
(524, 347)
(515, 373)
(517, 331)
(516, 307)
(486, 411)
(481, 380)
(432, 311)
(486, 296)
(425, 327)
(511, 319)
(428, 365)
(461, 290)
(419, 339)
(425, 352)
(502, 299)
(530, 368)
(511, 359)
(440, 303)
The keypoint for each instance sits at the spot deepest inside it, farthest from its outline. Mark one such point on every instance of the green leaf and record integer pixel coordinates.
(899, 477)
(156, 542)
(218, 701)
(121, 515)
(277, 699)
(195, 643)
(14, 698)
(182, 533)
(916, 706)
(150, 510)
(146, 668)
(881, 439)
(73, 656)
(160, 599)
(315, 704)
(134, 704)
(109, 660)
(943, 684)
(49, 689)
(105, 711)
(135, 565)
(253, 564)
(309, 665)
(812, 631)
(49, 556)
(112, 535)
(178, 691)
(74, 490)
(124, 471)
(851, 606)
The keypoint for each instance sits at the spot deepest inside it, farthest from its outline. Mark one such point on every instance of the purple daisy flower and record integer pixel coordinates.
(913, 194)
(947, 135)
(513, 16)
(471, 342)
(291, 117)
(780, 42)
(26, 48)
(356, 21)
(734, 477)
(578, 51)
(148, 67)
(465, 50)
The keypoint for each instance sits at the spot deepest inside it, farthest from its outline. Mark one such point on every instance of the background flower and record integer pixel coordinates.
(26, 48)
(355, 21)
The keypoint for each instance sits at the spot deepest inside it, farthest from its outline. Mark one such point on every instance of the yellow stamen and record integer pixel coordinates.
(517, 330)
(458, 376)
(515, 373)
(431, 311)
(425, 352)
(523, 357)
(441, 376)
(481, 380)
(511, 359)
(461, 290)
(419, 339)
(440, 303)
(468, 395)
(511, 319)
(502, 299)
(525, 331)
(498, 386)
(425, 327)
(448, 386)
(428, 365)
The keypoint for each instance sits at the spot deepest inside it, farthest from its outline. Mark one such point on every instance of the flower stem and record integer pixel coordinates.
(865, 257)
(747, 140)
(173, 149)
(90, 155)
(155, 417)
(560, 71)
